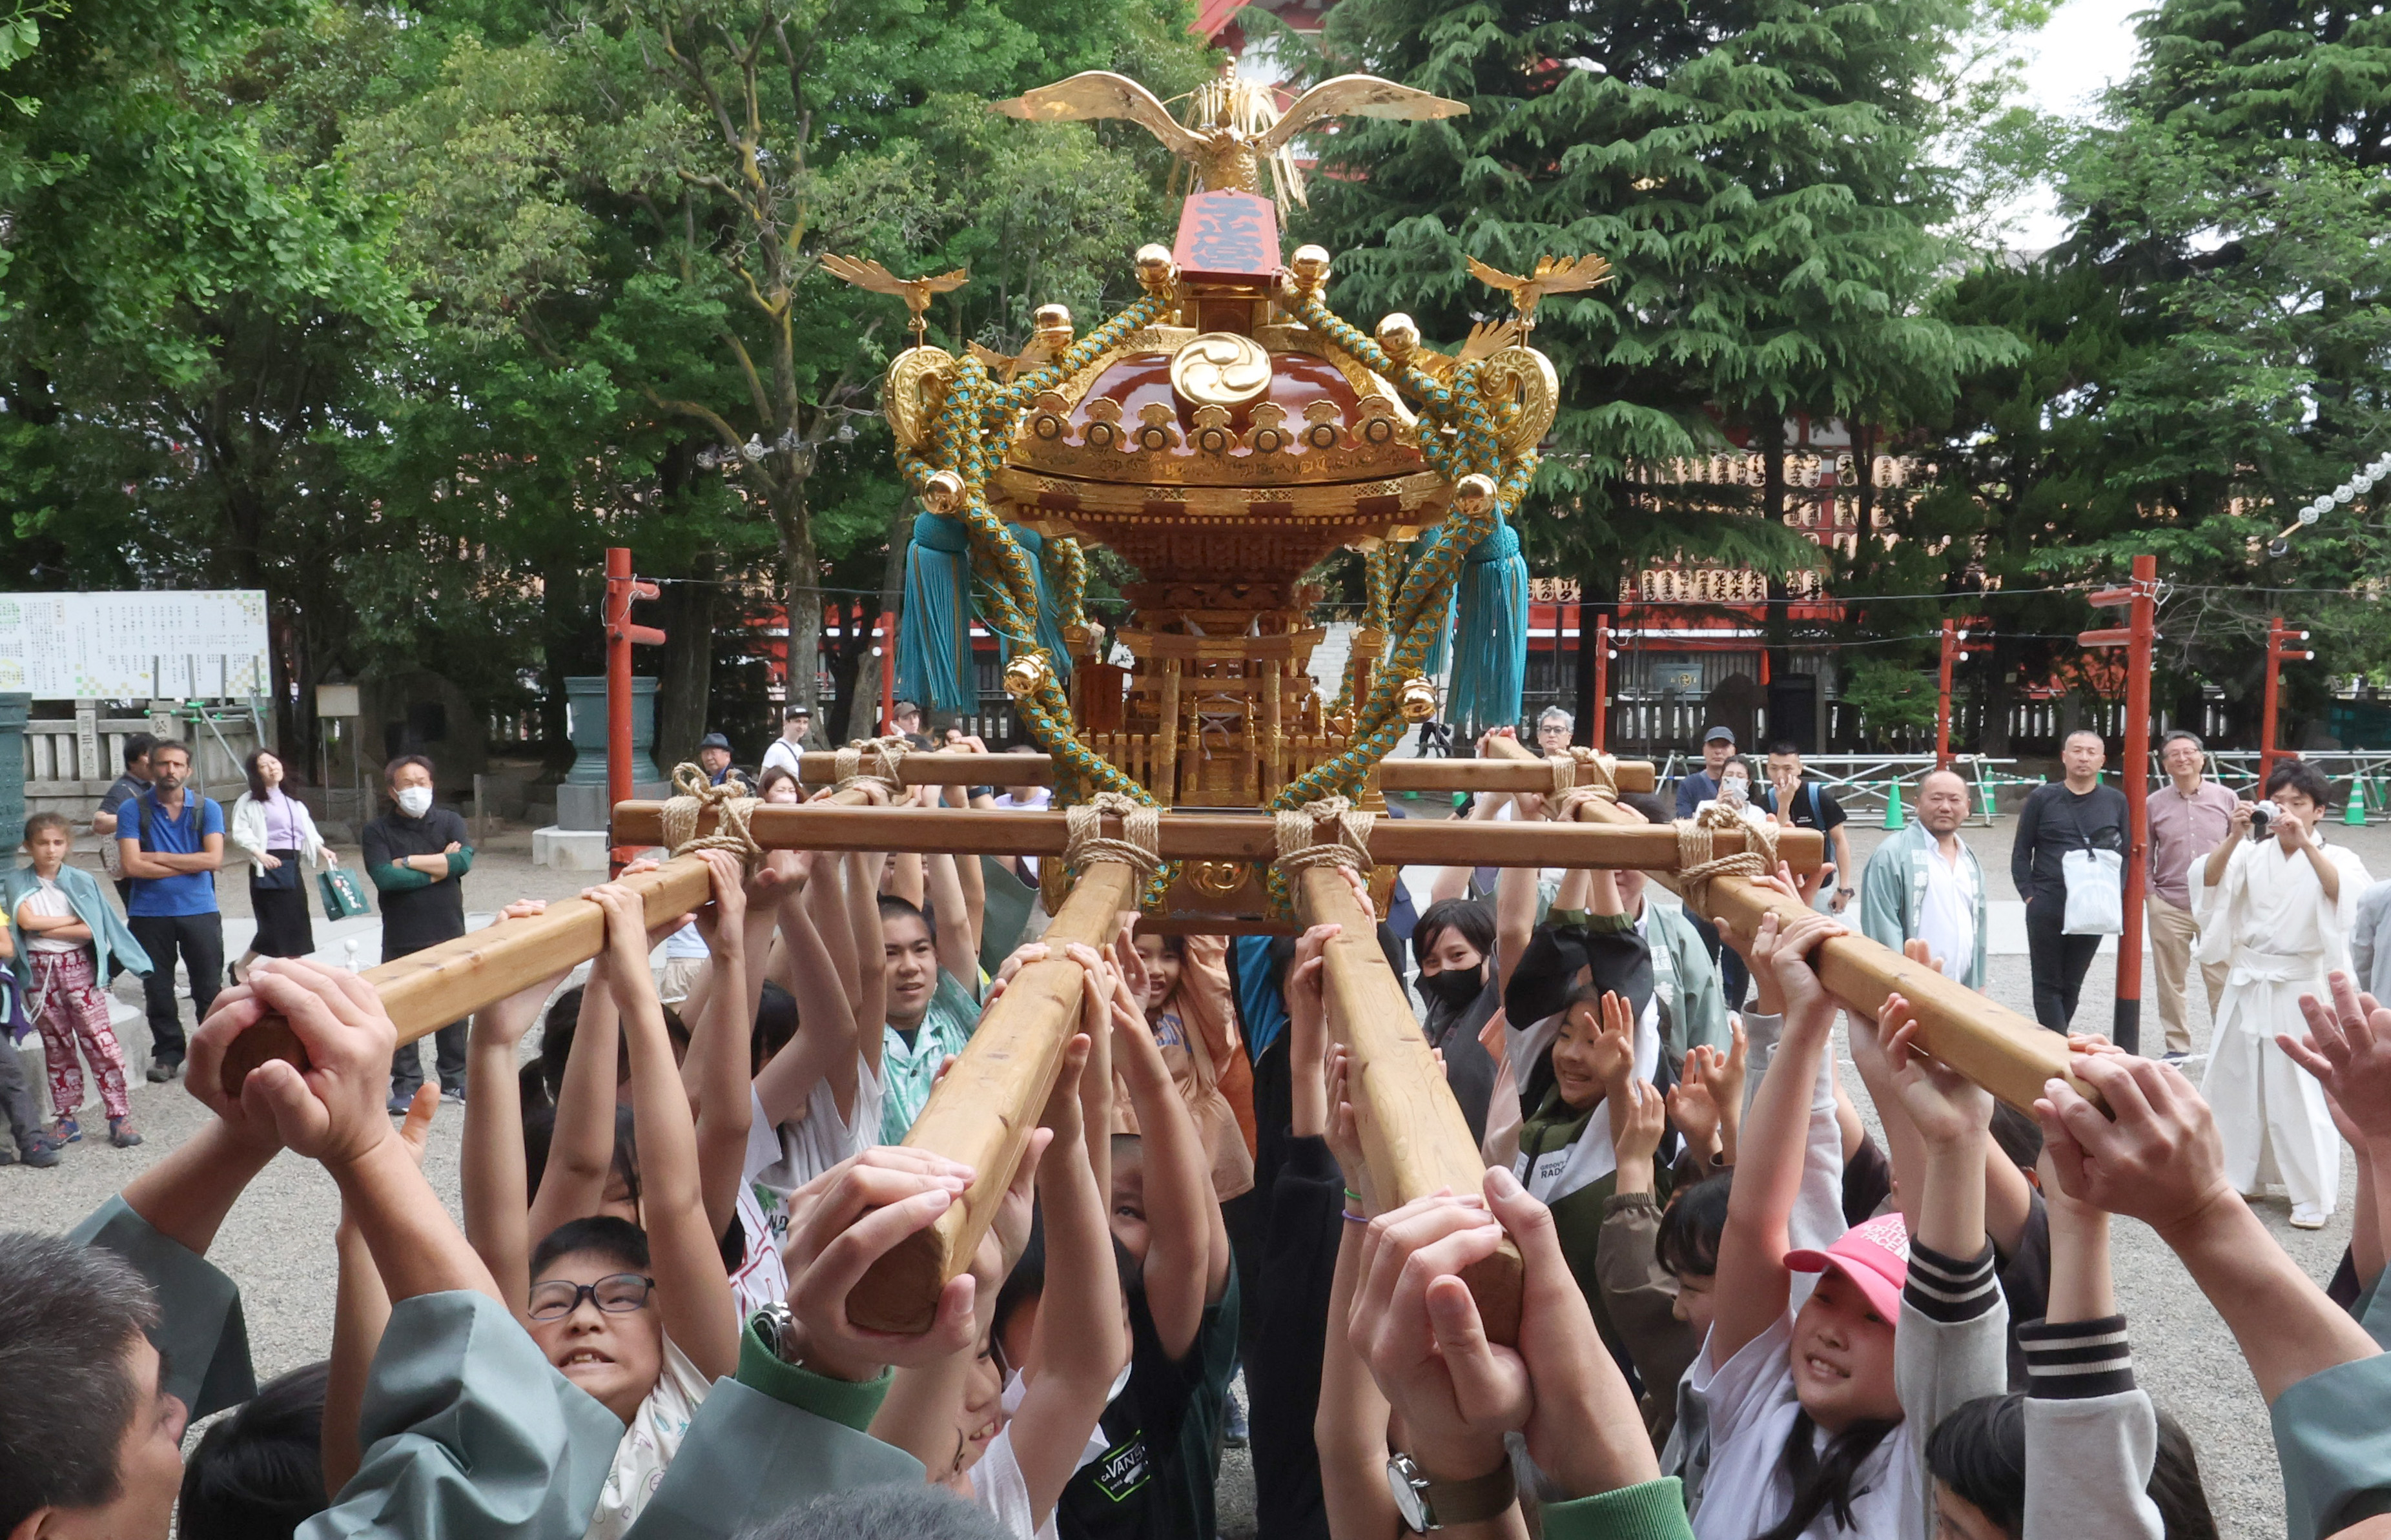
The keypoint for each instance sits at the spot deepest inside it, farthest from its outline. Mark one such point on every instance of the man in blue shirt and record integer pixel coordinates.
(170, 844)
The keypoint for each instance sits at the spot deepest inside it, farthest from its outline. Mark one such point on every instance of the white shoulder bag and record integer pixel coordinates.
(2096, 892)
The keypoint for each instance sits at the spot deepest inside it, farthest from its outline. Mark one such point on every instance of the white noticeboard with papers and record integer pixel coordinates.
(201, 645)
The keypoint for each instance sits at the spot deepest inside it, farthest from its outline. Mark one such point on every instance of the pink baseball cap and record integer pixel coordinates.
(1874, 1255)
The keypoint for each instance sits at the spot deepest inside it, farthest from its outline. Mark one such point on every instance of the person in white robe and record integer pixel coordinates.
(2277, 912)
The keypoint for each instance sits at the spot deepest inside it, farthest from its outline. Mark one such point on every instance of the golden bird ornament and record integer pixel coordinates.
(1553, 276)
(916, 292)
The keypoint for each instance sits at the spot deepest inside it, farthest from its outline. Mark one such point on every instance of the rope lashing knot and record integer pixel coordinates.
(1578, 777)
(1301, 847)
(1698, 860)
(1085, 840)
(692, 794)
(886, 755)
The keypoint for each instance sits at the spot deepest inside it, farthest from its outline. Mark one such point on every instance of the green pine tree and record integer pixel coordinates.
(1754, 170)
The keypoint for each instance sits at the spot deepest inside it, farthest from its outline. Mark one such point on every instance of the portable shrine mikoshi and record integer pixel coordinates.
(1223, 433)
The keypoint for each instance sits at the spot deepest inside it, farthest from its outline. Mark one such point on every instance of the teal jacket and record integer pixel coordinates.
(470, 1435)
(1894, 886)
(112, 945)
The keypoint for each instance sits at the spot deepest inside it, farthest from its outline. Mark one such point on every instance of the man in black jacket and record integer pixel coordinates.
(414, 855)
(2078, 813)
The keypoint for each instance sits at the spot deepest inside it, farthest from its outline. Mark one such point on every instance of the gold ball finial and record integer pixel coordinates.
(1416, 700)
(1155, 269)
(1472, 493)
(1050, 324)
(1399, 335)
(1026, 675)
(943, 493)
(1310, 267)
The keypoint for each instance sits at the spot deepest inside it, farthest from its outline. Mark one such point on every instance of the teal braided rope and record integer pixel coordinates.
(969, 437)
(1460, 435)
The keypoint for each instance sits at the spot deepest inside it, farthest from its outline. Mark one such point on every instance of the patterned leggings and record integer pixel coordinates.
(68, 1004)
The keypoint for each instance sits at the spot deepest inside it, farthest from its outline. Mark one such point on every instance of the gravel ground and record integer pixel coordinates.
(278, 1244)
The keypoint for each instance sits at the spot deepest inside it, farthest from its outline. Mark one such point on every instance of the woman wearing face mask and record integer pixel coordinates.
(414, 855)
(1453, 944)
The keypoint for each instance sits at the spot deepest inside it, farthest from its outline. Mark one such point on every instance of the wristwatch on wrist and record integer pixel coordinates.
(1847, 892)
(1424, 1505)
(775, 1322)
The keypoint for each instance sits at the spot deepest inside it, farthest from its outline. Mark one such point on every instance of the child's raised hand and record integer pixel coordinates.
(415, 1129)
(1028, 952)
(335, 1109)
(1638, 1119)
(1344, 1136)
(1945, 1106)
(1614, 1043)
(851, 1216)
(2154, 1156)
(626, 926)
(1692, 1107)
(1784, 949)
(1307, 1009)
(1495, 1038)
(729, 911)
(2347, 1048)
(506, 1022)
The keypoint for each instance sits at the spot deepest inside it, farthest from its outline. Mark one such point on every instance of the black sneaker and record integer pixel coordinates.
(38, 1149)
(162, 1070)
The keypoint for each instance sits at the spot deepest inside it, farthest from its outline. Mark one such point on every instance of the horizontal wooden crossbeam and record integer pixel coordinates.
(1527, 774)
(1213, 836)
(1991, 1045)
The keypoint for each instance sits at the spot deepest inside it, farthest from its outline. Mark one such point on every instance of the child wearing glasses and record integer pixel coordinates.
(641, 1318)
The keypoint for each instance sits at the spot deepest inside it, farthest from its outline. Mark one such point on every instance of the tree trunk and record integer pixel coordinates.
(684, 664)
(568, 617)
(1777, 622)
(2000, 695)
(801, 580)
(863, 701)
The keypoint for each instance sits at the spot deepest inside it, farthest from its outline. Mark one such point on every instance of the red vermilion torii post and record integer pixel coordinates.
(622, 590)
(2279, 652)
(2140, 599)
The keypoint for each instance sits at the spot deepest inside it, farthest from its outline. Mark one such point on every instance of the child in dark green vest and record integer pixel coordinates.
(1583, 1036)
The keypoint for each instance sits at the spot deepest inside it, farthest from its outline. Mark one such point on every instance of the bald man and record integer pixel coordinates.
(1925, 883)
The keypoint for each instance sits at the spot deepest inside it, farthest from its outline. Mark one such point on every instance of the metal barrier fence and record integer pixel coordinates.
(2363, 775)
(1865, 782)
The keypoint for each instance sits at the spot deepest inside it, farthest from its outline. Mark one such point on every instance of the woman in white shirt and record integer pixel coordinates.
(275, 830)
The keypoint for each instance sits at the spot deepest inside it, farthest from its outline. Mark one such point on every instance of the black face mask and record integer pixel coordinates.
(1454, 986)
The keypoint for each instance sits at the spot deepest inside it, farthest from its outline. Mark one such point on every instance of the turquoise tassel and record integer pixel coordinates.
(932, 667)
(1490, 649)
(1050, 616)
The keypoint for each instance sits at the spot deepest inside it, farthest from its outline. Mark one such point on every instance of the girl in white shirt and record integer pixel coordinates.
(1818, 1415)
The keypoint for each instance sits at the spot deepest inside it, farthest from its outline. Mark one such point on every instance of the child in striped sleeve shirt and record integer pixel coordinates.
(2100, 1458)
(1820, 1414)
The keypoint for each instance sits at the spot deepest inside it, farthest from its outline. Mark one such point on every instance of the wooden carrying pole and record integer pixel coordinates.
(1214, 836)
(425, 991)
(2003, 1052)
(941, 768)
(1414, 1141)
(983, 1112)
